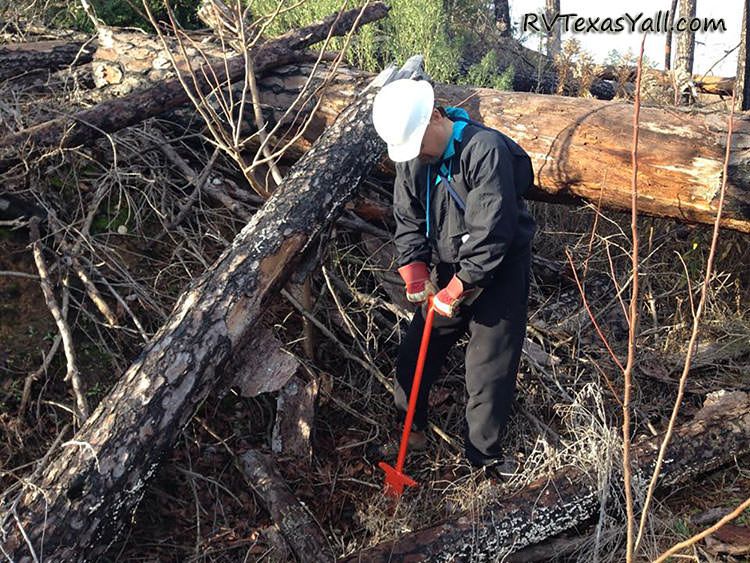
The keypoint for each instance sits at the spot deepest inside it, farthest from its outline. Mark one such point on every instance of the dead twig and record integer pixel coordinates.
(67, 339)
(632, 320)
(708, 531)
(693, 334)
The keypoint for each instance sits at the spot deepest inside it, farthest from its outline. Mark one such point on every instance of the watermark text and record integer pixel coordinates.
(658, 23)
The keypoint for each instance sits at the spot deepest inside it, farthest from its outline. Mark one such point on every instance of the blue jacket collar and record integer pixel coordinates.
(458, 130)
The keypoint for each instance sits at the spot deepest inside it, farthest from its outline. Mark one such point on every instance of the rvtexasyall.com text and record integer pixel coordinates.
(658, 23)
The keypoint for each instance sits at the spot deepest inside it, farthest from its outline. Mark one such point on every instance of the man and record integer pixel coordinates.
(458, 204)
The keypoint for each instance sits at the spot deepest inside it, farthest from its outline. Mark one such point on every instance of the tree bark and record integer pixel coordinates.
(301, 532)
(127, 60)
(502, 18)
(97, 480)
(85, 126)
(295, 419)
(743, 56)
(552, 505)
(554, 39)
(685, 48)
(581, 148)
(19, 58)
(668, 40)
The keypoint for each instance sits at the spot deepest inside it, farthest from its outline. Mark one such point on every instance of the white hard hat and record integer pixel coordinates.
(401, 112)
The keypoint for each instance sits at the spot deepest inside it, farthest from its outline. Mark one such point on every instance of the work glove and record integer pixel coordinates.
(417, 278)
(449, 298)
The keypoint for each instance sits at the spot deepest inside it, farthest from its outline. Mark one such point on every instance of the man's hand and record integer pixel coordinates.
(449, 298)
(417, 278)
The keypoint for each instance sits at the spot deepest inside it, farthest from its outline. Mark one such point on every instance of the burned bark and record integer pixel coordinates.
(20, 58)
(581, 148)
(262, 373)
(295, 414)
(77, 508)
(294, 521)
(15, 208)
(553, 505)
(110, 116)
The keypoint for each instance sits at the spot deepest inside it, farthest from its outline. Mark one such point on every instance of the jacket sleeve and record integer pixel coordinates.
(410, 238)
(491, 214)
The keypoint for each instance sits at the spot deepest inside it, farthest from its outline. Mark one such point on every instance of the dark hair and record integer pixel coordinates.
(441, 109)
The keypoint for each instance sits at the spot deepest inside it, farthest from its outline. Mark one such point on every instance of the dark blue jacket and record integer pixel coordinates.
(490, 174)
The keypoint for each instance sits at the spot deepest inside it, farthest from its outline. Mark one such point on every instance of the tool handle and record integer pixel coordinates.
(415, 385)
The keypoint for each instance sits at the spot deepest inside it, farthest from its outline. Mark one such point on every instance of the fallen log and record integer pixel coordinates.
(582, 148)
(85, 126)
(20, 58)
(127, 60)
(294, 521)
(92, 486)
(550, 506)
(536, 72)
(718, 85)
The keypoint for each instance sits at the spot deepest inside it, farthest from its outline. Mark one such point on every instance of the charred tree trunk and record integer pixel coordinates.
(99, 478)
(535, 72)
(553, 505)
(19, 58)
(685, 49)
(84, 126)
(581, 148)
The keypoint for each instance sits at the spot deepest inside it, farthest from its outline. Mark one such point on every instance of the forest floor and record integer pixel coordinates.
(199, 506)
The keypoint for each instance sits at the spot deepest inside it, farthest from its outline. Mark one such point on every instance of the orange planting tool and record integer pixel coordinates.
(395, 478)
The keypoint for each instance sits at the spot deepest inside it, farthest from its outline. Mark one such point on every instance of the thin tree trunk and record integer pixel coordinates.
(554, 39)
(743, 58)
(668, 40)
(502, 17)
(685, 50)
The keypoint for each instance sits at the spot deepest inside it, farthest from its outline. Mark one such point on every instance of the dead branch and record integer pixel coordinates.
(62, 325)
(296, 523)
